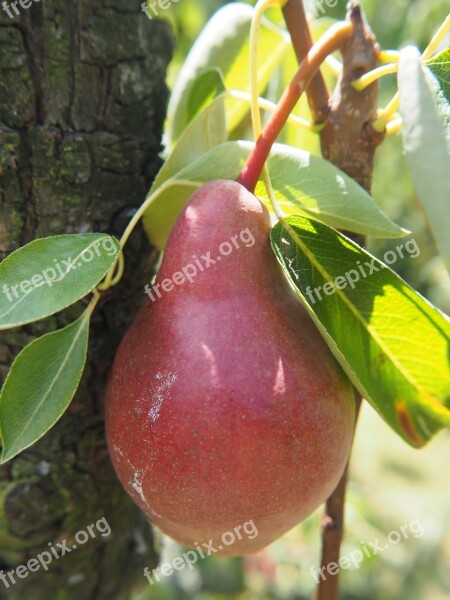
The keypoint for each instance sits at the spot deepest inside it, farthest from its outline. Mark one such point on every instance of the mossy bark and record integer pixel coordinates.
(82, 101)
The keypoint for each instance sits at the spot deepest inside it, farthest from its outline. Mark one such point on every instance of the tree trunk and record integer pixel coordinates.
(82, 102)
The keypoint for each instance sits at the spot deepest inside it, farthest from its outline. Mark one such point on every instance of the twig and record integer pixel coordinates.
(333, 531)
(317, 91)
(332, 40)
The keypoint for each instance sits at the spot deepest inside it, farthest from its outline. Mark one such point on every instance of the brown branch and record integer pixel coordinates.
(335, 37)
(333, 532)
(317, 91)
(349, 142)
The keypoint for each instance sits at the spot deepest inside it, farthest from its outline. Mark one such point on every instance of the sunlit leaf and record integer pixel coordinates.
(426, 139)
(205, 87)
(303, 183)
(206, 131)
(224, 45)
(391, 342)
(440, 67)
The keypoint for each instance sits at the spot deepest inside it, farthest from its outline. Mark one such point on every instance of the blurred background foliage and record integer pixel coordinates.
(391, 484)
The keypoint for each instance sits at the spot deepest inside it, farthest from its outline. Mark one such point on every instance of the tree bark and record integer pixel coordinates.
(82, 102)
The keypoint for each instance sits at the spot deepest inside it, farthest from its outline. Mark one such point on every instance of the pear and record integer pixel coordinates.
(224, 406)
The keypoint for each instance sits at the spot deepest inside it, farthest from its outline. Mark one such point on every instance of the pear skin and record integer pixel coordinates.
(224, 405)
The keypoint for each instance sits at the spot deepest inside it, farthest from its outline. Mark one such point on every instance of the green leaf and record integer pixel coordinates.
(206, 131)
(163, 212)
(391, 342)
(205, 87)
(440, 67)
(311, 185)
(224, 45)
(426, 139)
(302, 183)
(52, 273)
(40, 385)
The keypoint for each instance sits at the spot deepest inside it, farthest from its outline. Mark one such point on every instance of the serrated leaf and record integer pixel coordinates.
(40, 386)
(440, 67)
(302, 183)
(224, 44)
(391, 342)
(426, 139)
(49, 274)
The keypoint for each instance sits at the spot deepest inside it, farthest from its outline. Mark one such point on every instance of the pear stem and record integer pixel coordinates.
(330, 42)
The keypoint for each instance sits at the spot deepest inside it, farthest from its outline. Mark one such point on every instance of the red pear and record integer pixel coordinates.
(224, 406)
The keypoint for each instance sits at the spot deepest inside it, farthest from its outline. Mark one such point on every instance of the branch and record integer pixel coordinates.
(333, 531)
(297, 24)
(332, 40)
(348, 140)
